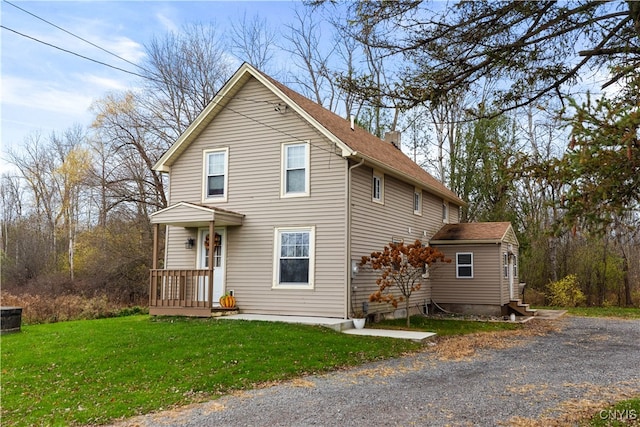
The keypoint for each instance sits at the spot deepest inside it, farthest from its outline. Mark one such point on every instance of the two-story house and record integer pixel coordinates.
(294, 196)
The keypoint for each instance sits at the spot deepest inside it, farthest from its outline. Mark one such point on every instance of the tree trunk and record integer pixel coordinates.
(406, 306)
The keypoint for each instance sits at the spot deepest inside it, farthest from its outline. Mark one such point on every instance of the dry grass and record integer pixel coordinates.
(465, 347)
(577, 411)
(49, 309)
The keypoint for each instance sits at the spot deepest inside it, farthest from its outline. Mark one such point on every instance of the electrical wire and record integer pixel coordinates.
(279, 130)
(76, 36)
(74, 53)
(146, 77)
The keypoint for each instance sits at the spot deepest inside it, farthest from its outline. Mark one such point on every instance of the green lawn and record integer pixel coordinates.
(93, 371)
(446, 327)
(620, 312)
(622, 413)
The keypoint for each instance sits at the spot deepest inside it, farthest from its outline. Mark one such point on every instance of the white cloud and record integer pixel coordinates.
(167, 23)
(44, 95)
(103, 84)
(124, 47)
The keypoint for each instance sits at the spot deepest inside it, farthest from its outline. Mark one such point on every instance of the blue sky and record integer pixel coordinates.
(44, 89)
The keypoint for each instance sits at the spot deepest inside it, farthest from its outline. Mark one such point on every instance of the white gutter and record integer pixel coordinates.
(348, 261)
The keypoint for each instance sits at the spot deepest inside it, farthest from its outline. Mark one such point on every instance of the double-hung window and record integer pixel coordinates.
(295, 170)
(215, 174)
(505, 265)
(417, 201)
(294, 257)
(445, 212)
(464, 265)
(377, 185)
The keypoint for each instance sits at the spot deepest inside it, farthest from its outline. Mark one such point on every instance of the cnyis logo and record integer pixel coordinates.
(619, 414)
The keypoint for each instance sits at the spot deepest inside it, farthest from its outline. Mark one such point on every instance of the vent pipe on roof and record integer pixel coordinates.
(393, 136)
(353, 122)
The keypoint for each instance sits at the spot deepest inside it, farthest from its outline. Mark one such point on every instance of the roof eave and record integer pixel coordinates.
(465, 242)
(417, 183)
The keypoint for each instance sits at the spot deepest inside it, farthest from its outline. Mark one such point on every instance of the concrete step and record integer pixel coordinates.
(521, 308)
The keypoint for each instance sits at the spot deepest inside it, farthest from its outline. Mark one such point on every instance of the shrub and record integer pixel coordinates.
(565, 292)
(50, 309)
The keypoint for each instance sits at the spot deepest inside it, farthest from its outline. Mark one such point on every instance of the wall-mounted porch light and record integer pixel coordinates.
(189, 243)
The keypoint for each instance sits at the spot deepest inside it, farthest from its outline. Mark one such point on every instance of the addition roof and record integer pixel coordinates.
(487, 232)
(354, 143)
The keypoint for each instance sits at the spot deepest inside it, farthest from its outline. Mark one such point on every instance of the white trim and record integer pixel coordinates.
(417, 192)
(220, 273)
(380, 177)
(445, 212)
(277, 232)
(458, 265)
(283, 169)
(505, 265)
(205, 163)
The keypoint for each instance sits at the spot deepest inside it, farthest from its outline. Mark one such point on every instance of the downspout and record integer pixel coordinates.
(347, 298)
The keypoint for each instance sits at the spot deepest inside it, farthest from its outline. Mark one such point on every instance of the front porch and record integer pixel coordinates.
(188, 291)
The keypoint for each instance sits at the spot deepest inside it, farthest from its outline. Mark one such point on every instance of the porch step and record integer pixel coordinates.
(521, 309)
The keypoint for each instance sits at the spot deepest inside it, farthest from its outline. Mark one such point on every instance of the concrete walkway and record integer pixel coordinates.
(340, 325)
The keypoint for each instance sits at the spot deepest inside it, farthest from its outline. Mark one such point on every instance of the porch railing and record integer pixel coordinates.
(175, 289)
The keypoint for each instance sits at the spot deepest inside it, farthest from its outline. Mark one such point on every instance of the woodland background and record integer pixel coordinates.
(530, 111)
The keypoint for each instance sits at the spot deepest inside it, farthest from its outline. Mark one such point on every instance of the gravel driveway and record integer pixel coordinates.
(545, 380)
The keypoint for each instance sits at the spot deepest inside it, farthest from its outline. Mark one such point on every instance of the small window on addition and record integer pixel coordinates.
(464, 265)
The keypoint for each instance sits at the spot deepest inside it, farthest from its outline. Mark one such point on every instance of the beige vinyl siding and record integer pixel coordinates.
(454, 213)
(254, 131)
(510, 238)
(177, 257)
(485, 286)
(374, 225)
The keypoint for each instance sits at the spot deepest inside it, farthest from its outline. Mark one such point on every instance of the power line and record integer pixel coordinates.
(74, 35)
(74, 53)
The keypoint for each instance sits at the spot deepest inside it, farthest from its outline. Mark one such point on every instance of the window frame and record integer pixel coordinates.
(284, 169)
(515, 266)
(417, 197)
(459, 265)
(505, 265)
(445, 212)
(379, 176)
(205, 175)
(277, 244)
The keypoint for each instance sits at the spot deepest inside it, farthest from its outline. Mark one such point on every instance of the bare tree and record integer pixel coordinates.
(122, 128)
(311, 55)
(184, 72)
(253, 41)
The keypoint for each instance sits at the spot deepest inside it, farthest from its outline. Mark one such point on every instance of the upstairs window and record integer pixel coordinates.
(445, 212)
(377, 185)
(417, 201)
(464, 265)
(295, 170)
(215, 171)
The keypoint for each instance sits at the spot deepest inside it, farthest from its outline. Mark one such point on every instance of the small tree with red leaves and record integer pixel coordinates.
(401, 266)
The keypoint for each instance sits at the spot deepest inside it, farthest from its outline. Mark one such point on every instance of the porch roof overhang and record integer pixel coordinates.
(184, 214)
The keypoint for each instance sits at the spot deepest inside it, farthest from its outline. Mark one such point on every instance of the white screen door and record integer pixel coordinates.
(218, 266)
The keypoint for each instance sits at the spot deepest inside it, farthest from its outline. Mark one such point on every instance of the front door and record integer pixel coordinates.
(218, 244)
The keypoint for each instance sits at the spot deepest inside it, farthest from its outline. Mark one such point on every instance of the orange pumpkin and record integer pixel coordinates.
(227, 301)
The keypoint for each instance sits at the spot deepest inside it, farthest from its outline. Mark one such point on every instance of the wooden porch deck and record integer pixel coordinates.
(181, 293)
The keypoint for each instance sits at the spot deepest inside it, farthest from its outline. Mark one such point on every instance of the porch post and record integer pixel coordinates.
(154, 262)
(212, 243)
